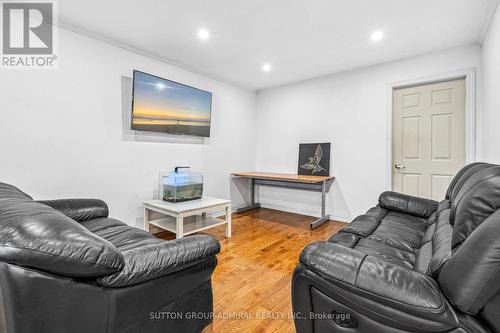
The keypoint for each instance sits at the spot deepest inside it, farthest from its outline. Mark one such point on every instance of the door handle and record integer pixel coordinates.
(399, 166)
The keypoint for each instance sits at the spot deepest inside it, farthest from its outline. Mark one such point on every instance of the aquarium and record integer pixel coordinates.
(181, 185)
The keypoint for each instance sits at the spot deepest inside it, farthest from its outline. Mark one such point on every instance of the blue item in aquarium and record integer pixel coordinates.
(179, 185)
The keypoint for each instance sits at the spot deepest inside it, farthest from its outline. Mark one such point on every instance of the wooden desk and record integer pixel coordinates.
(302, 182)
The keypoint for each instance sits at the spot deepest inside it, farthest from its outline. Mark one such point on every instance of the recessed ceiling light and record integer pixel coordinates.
(266, 67)
(203, 34)
(377, 36)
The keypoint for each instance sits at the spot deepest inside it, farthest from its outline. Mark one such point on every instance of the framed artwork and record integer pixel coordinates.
(314, 159)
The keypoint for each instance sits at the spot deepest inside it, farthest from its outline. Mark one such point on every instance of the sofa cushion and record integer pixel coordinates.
(37, 236)
(401, 231)
(121, 235)
(390, 233)
(394, 229)
(388, 253)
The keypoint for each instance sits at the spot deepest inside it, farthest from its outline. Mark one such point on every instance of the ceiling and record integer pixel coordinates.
(300, 39)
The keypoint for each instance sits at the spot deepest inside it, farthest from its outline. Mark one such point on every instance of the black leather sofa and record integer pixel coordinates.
(65, 266)
(409, 265)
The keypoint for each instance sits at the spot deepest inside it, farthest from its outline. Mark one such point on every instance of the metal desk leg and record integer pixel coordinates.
(323, 217)
(253, 204)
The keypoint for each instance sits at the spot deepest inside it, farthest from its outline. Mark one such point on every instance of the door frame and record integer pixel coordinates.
(469, 74)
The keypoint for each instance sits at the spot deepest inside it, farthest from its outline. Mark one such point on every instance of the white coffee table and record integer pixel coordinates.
(188, 217)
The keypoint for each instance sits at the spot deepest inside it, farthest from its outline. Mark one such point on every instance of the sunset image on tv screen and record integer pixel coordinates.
(160, 105)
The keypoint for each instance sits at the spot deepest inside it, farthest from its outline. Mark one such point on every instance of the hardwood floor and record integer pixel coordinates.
(252, 279)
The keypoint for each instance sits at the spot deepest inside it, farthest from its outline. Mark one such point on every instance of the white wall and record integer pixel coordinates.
(491, 92)
(349, 110)
(62, 135)
(61, 132)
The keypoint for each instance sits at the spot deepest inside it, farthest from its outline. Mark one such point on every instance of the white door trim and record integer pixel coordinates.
(469, 75)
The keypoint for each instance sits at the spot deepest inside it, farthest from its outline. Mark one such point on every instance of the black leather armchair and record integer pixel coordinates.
(65, 266)
(409, 265)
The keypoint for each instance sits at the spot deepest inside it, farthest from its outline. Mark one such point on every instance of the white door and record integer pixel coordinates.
(428, 137)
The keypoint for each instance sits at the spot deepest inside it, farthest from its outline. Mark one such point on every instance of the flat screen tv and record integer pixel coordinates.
(161, 105)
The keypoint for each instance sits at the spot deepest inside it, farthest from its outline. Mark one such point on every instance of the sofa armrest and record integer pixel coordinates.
(79, 209)
(408, 204)
(379, 287)
(33, 235)
(156, 260)
(383, 279)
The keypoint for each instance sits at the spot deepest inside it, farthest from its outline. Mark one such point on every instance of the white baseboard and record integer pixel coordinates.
(340, 218)
(233, 210)
(288, 210)
(306, 213)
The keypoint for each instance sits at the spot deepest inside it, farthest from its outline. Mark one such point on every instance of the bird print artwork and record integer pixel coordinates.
(314, 161)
